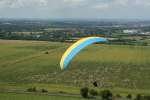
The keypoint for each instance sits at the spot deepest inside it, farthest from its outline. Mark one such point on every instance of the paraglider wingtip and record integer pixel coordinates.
(62, 67)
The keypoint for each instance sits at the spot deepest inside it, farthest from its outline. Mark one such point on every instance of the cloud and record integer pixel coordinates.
(111, 4)
(4, 3)
(22, 3)
(138, 3)
(101, 6)
(121, 2)
(74, 8)
(144, 3)
(74, 1)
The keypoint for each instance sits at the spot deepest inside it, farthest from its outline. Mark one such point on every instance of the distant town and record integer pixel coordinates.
(118, 32)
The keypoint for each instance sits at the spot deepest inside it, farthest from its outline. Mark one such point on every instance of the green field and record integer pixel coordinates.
(13, 96)
(25, 64)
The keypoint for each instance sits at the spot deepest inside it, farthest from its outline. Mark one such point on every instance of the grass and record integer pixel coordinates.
(13, 96)
(24, 64)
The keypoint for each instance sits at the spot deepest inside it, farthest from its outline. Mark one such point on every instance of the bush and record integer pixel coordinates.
(129, 96)
(93, 92)
(106, 94)
(138, 97)
(145, 44)
(84, 92)
(44, 90)
(118, 96)
(146, 97)
(46, 52)
(33, 89)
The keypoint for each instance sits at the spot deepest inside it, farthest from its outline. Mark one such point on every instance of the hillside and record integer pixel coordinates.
(113, 66)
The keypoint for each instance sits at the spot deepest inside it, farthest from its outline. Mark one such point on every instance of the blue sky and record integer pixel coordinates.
(75, 9)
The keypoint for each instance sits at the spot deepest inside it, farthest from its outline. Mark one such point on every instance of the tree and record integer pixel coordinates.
(146, 97)
(138, 97)
(93, 92)
(118, 95)
(106, 94)
(33, 89)
(44, 90)
(129, 96)
(84, 92)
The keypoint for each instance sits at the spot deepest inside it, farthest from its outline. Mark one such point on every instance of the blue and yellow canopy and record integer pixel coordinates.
(77, 47)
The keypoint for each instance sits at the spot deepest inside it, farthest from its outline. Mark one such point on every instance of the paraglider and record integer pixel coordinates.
(95, 84)
(76, 48)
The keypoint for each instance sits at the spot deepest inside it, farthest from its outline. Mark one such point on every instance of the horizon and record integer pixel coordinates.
(75, 19)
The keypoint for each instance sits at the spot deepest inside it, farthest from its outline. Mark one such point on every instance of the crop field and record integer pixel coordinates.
(24, 64)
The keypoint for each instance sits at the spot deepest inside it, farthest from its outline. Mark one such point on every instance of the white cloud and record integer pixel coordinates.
(4, 3)
(74, 1)
(73, 8)
(121, 2)
(101, 6)
(143, 3)
(22, 3)
(138, 3)
(112, 4)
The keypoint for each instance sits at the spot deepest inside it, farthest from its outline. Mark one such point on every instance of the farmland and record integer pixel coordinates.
(122, 68)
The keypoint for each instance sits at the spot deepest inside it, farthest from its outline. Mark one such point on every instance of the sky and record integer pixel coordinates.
(75, 9)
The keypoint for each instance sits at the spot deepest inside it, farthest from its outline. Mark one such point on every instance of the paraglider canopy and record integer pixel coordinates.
(76, 48)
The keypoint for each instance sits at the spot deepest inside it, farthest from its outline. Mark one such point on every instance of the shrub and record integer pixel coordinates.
(129, 96)
(84, 92)
(118, 96)
(146, 97)
(33, 89)
(106, 94)
(62, 92)
(144, 44)
(93, 92)
(46, 52)
(138, 97)
(44, 90)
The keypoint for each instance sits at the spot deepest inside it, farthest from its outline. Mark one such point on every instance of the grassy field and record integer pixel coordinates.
(25, 64)
(13, 96)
